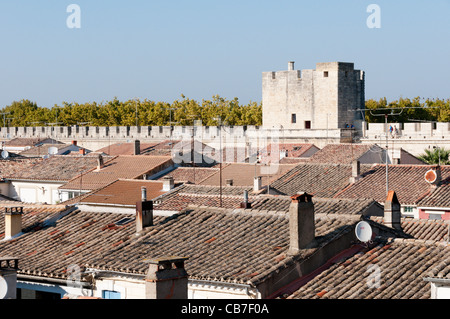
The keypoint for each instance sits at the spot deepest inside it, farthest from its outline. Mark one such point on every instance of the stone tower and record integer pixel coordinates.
(313, 99)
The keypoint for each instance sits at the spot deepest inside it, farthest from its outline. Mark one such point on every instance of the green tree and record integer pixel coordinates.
(435, 156)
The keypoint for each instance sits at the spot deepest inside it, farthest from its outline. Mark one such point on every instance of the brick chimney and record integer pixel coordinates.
(356, 172)
(168, 183)
(144, 213)
(392, 211)
(13, 221)
(82, 151)
(137, 147)
(166, 278)
(301, 222)
(74, 143)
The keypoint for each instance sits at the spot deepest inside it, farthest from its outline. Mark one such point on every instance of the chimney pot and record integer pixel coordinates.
(143, 194)
(137, 147)
(245, 204)
(301, 222)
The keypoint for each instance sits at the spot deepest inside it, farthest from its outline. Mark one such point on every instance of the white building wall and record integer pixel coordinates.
(34, 192)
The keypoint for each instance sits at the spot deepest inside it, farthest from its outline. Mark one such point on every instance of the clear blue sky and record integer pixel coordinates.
(162, 49)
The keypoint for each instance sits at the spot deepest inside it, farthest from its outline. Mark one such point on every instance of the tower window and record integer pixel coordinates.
(307, 125)
(293, 118)
(325, 74)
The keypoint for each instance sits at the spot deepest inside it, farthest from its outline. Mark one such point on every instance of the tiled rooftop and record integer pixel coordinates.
(342, 153)
(223, 245)
(125, 148)
(408, 181)
(271, 153)
(14, 167)
(439, 197)
(34, 216)
(243, 174)
(124, 192)
(29, 141)
(120, 167)
(402, 263)
(59, 168)
(191, 175)
(320, 180)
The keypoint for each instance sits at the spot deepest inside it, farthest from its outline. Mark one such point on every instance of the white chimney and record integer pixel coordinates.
(257, 184)
(291, 66)
(168, 183)
(13, 221)
(356, 172)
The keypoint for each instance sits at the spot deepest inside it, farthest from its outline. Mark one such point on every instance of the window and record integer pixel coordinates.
(108, 294)
(293, 118)
(407, 209)
(307, 125)
(325, 74)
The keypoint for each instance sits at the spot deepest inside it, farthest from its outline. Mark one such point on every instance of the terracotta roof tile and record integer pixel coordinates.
(126, 148)
(56, 168)
(124, 192)
(406, 180)
(243, 174)
(402, 264)
(191, 175)
(342, 153)
(320, 180)
(120, 167)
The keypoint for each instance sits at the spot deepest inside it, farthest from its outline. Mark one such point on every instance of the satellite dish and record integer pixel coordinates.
(431, 176)
(52, 150)
(3, 287)
(5, 154)
(363, 231)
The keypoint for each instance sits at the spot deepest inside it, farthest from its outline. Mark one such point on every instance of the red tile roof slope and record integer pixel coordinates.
(408, 182)
(124, 192)
(403, 265)
(342, 153)
(59, 168)
(125, 148)
(120, 167)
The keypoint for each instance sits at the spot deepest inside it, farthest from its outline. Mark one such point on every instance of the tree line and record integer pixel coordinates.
(407, 110)
(145, 112)
(185, 111)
